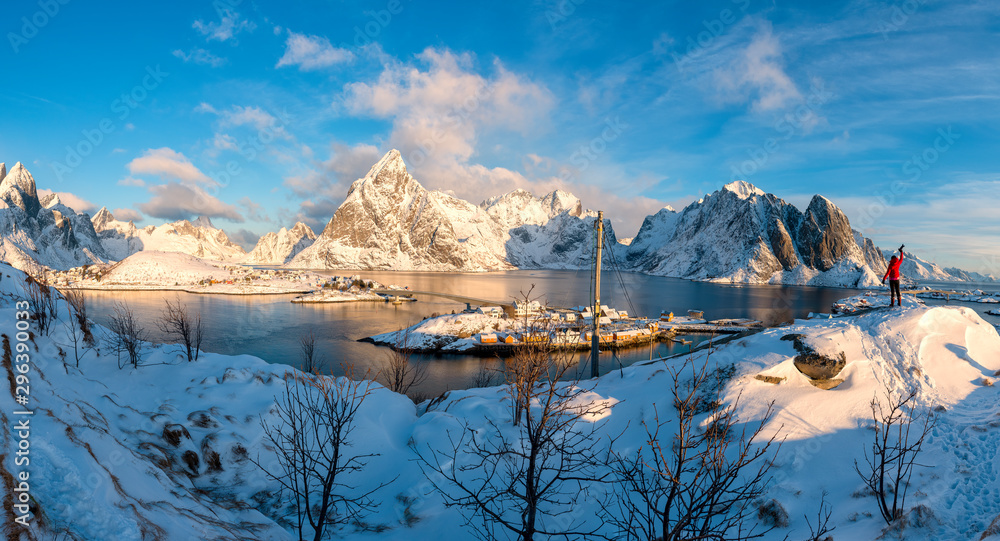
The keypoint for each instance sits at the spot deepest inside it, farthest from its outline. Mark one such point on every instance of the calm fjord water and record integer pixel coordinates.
(269, 326)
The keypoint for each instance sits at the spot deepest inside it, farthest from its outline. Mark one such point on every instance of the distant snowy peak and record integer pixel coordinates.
(743, 189)
(3, 170)
(279, 248)
(199, 238)
(520, 207)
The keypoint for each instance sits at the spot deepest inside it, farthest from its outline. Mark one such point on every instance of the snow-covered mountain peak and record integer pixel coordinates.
(560, 201)
(302, 230)
(18, 189)
(3, 170)
(101, 219)
(743, 189)
(50, 201)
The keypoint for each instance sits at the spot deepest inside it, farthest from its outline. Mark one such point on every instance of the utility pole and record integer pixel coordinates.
(595, 341)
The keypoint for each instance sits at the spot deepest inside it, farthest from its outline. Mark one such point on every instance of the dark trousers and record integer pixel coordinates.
(894, 290)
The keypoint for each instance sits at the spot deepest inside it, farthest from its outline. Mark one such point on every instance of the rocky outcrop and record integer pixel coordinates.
(279, 248)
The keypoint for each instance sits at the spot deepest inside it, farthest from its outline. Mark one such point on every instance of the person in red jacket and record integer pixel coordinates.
(893, 275)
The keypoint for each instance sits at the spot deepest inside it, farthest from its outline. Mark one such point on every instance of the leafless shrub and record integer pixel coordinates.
(822, 522)
(40, 297)
(487, 375)
(397, 372)
(312, 362)
(890, 462)
(689, 483)
(313, 437)
(78, 325)
(177, 323)
(128, 338)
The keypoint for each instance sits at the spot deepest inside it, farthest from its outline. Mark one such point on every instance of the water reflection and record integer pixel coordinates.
(269, 326)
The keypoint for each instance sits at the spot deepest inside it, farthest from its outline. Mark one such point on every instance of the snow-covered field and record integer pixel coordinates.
(108, 445)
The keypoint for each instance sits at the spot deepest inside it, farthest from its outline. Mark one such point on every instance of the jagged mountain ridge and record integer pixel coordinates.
(741, 234)
(390, 221)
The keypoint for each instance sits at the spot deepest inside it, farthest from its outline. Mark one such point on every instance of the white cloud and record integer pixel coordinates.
(253, 116)
(312, 53)
(72, 201)
(440, 107)
(168, 163)
(176, 201)
(229, 26)
(206, 108)
(756, 73)
(200, 56)
(127, 215)
(224, 141)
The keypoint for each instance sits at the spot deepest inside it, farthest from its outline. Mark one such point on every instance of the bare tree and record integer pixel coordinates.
(397, 372)
(689, 482)
(39, 296)
(487, 375)
(312, 362)
(889, 465)
(177, 323)
(128, 337)
(78, 325)
(313, 437)
(524, 478)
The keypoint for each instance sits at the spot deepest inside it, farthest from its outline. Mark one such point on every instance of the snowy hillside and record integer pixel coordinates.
(279, 248)
(740, 234)
(167, 449)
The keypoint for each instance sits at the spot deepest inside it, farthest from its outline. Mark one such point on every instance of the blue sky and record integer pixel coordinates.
(262, 113)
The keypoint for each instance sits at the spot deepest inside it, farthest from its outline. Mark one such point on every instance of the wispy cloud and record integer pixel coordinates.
(200, 56)
(312, 53)
(229, 26)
